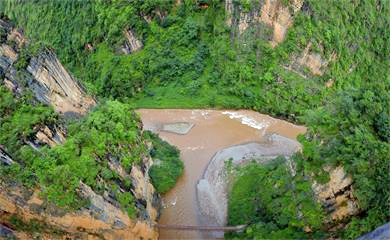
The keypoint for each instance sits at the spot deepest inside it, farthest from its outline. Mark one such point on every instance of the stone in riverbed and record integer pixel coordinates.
(181, 128)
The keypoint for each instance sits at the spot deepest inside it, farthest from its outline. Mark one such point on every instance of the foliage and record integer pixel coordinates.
(192, 59)
(110, 133)
(274, 204)
(19, 122)
(167, 167)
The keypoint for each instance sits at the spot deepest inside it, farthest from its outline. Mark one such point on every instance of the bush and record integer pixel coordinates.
(168, 167)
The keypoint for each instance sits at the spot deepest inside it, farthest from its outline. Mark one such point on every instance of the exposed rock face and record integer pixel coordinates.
(272, 13)
(45, 76)
(50, 136)
(144, 190)
(8, 52)
(6, 25)
(100, 220)
(279, 17)
(6, 233)
(17, 36)
(314, 61)
(245, 19)
(337, 195)
(56, 86)
(10, 85)
(52, 84)
(132, 43)
(237, 17)
(330, 83)
(5, 158)
(229, 7)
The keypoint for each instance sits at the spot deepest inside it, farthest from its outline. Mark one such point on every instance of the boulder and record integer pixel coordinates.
(132, 43)
(337, 195)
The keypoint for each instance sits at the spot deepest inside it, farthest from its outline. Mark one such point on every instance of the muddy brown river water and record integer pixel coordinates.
(213, 130)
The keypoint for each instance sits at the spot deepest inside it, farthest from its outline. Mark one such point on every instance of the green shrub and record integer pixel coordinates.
(167, 167)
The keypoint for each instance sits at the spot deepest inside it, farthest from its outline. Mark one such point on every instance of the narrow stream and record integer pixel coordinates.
(213, 130)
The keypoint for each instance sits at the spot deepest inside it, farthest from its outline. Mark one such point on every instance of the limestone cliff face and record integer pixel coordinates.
(45, 75)
(279, 17)
(103, 218)
(313, 61)
(273, 13)
(51, 136)
(100, 220)
(56, 86)
(145, 191)
(337, 195)
(132, 43)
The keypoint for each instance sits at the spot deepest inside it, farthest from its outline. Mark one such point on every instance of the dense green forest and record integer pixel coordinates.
(191, 58)
(110, 133)
(273, 213)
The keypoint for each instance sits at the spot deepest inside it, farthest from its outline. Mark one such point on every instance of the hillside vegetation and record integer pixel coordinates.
(191, 58)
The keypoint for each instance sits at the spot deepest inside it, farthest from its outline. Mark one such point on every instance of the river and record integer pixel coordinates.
(212, 131)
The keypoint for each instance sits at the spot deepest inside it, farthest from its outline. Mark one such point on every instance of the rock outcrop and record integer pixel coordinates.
(279, 17)
(337, 195)
(229, 7)
(54, 85)
(132, 43)
(5, 158)
(50, 82)
(145, 192)
(312, 60)
(50, 136)
(103, 217)
(237, 17)
(17, 36)
(273, 13)
(8, 52)
(99, 220)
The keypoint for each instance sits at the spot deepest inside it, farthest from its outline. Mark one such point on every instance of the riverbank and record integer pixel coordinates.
(212, 131)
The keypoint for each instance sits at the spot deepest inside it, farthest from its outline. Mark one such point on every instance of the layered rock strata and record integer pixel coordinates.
(102, 218)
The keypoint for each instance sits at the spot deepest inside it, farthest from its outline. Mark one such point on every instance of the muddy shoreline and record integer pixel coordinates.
(211, 131)
(212, 188)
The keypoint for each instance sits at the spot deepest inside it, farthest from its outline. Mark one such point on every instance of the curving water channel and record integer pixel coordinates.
(202, 136)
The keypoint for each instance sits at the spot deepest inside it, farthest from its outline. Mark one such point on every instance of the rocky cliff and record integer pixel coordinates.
(272, 13)
(25, 214)
(99, 220)
(336, 196)
(102, 218)
(53, 84)
(132, 43)
(44, 75)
